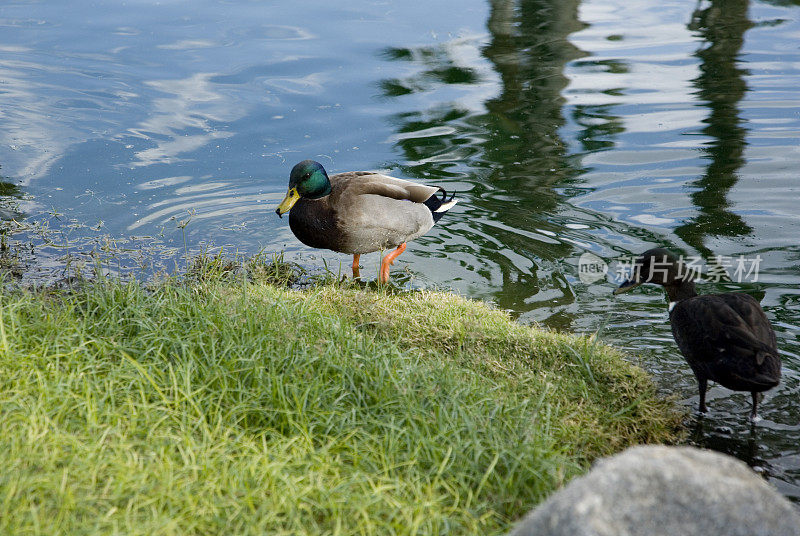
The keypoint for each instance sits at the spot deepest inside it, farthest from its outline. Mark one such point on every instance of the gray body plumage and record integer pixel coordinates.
(365, 212)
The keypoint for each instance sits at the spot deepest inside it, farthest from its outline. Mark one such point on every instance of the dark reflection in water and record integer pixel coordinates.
(743, 446)
(513, 148)
(10, 215)
(721, 86)
(10, 196)
(755, 445)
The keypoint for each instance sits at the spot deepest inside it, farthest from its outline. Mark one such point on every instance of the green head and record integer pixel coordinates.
(308, 179)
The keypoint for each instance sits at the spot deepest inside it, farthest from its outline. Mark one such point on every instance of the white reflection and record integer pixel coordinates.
(467, 53)
(188, 44)
(638, 57)
(227, 206)
(161, 183)
(193, 104)
(312, 84)
(31, 126)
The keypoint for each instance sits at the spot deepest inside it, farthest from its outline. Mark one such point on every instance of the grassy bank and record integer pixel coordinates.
(243, 408)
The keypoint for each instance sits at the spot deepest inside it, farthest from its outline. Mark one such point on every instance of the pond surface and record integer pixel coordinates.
(602, 126)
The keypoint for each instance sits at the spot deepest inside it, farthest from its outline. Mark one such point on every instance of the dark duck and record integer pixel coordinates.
(360, 212)
(725, 338)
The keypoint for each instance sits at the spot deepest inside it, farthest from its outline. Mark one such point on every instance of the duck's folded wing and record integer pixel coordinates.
(715, 330)
(748, 308)
(385, 186)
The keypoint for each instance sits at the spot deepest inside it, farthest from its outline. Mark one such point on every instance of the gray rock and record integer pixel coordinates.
(674, 491)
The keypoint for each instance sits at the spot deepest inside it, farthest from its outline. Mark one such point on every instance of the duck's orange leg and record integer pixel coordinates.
(356, 271)
(388, 260)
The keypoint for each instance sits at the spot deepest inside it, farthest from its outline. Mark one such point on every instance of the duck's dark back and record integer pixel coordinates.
(728, 339)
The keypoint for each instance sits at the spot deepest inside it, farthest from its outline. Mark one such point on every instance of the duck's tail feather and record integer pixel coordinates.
(758, 382)
(439, 205)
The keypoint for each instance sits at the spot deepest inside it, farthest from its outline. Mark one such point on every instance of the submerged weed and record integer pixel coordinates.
(273, 269)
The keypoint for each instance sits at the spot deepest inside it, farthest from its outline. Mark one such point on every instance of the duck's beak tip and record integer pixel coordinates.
(626, 286)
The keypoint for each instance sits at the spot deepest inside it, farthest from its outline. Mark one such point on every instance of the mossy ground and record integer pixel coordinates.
(229, 405)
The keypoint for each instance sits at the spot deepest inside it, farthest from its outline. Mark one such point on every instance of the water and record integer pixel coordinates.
(605, 126)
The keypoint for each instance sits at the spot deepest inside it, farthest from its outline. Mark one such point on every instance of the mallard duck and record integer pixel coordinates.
(725, 338)
(360, 211)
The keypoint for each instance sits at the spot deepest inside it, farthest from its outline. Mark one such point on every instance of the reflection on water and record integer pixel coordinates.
(10, 196)
(721, 84)
(607, 126)
(506, 152)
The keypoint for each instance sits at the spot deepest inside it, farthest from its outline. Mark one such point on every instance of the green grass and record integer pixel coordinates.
(219, 406)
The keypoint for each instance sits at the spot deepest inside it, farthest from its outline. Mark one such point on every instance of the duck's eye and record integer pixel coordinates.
(307, 176)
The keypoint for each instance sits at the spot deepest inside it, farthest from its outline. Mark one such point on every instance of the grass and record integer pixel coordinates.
(227, 404)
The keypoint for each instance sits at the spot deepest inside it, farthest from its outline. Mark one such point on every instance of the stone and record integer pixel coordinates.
(670, 491)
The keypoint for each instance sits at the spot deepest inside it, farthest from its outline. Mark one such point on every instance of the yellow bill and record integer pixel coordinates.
(288, 202)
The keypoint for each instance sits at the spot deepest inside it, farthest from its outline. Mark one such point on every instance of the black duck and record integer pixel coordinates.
(725, 338)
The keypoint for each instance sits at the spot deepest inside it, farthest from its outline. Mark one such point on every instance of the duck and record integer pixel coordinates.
(725, 338)
(359, 212)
